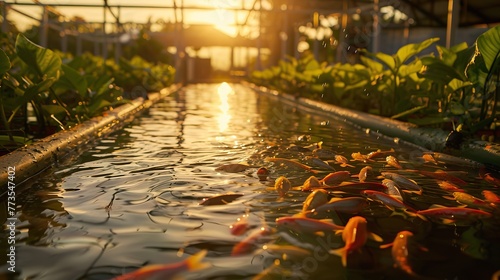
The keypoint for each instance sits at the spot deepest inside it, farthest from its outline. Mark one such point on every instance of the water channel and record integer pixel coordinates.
(133, 199)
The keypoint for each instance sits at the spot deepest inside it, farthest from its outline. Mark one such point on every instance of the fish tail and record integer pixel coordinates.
(194, 262)
(342, 253)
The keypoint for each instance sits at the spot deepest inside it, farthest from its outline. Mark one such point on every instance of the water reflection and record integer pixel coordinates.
(134, 198)
(224, 90)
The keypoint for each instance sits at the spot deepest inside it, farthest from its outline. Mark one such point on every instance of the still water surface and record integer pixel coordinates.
(133, 199)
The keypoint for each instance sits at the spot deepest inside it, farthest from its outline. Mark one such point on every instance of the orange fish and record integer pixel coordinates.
(167, 271)
(307, 225)
(355, 235)
(262, 173)
(363, 173)
(387, 200)
(491, 196)
(449, 186)
(429, 158)
(240, 226)
(351, 205)
(443, 175)
(311, 183)
(473, 201)
(282, 185)
(453, 214)
(336, 178)
(379, 153)
(490, 179)
(403, 182)
(247, 245)
(393, 161)
(342, 160)
(400, 251)
(316, 198)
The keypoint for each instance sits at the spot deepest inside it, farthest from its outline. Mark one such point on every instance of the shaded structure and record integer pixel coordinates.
(329, 28)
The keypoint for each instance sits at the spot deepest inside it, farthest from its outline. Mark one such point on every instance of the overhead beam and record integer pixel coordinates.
(428, 14)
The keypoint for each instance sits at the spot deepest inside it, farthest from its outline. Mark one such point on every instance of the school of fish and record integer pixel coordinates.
(342, 200)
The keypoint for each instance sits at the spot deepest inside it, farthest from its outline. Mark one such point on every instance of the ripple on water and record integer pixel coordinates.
(133, 199)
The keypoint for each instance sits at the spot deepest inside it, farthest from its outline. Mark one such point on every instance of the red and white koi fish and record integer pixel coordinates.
(449, 186)
(234, 167)
(379, 153)
(282, 185)
(393, 161)
(247, 245)
(363, 173)
(343, 161)
(167, 271)
(307, 225)
(491, 196)
(400, 251)
(315, 199)
(336, 178)
(292, 164)
(403, 182)
(387, 200)
(452, 214)
(220, 199)
(473, 201)
(351, 205)
(355, 235)
(311, 183)
(240, 226)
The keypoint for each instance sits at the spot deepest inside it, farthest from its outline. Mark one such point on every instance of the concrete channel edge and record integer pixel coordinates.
(431, 139)
(40, 155)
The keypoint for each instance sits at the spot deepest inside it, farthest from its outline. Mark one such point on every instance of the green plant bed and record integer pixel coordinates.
(454, 89)
(44, 91)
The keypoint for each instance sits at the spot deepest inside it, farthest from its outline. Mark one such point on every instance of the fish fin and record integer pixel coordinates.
(194, 261)
(375, 237)
(436, 206)
(448, 221)
(342, 253)
(339, 232)
(297, 188)
(448, 197)
(320, 233)
(385, 246)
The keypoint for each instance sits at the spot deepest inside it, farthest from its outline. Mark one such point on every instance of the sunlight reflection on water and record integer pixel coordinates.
(133, 198)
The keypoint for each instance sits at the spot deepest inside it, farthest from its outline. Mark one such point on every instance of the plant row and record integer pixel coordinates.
(456, 87)
(43, 91)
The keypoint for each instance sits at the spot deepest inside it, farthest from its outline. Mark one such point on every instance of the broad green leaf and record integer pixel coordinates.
(4, 63)
(373, 65)
(457, 84)
(386, 59)
(44, 61)
(312, 65)
(407, 51)
(408, 69)
(488, 45)
(438, 71)
(71, 79)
